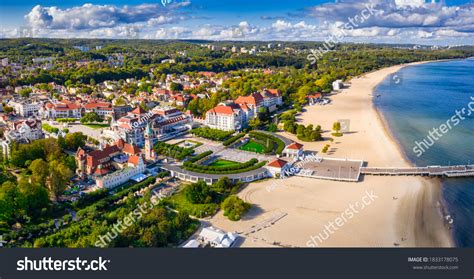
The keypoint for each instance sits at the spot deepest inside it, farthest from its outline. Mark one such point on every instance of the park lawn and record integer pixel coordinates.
(97, 126)
(179, 202)
(223, 163)
(253, 147)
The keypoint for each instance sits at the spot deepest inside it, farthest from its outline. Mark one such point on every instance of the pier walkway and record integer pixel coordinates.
(447, 171)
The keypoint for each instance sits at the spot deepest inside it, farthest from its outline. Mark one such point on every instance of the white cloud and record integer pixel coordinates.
(391, 21)
(171, 33)
(90, 16)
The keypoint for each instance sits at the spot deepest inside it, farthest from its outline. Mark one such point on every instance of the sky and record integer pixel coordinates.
(439, 22)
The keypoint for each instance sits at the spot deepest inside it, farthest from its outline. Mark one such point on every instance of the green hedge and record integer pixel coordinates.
(50, 129)
(66, 120)
(233, 139)
(249, 163)
(251, 168)
(274, 140)
(199, 157)
(244, 167)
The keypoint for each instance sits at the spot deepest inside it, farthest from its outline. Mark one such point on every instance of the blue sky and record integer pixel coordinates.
(394, 21)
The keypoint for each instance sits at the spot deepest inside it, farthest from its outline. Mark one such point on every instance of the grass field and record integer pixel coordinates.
(253, 147)
(223, 163)
(179, 202)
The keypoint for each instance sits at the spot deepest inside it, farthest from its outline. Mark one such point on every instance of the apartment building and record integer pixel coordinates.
(64, 109)
(103, 109)
(25, 108)
(229, 116)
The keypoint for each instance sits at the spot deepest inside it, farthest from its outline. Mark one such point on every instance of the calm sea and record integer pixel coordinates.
(419, 98)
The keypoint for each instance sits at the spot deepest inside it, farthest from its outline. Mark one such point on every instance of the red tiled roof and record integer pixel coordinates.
(208, 74)
(295, 146)
(254, 99)
(100, 171)
(278, 163)
(316, 95)
(95, 156)
(222, 110)
(244, 107)
(134, 160)
(96, 105)
(274, 92)
(179, 98)
(138, 110)
(120, 143)
(131, 149)
(162, 91)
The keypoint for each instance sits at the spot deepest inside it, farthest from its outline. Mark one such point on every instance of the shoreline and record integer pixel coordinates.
(385, 124)
(403, 215)
(435, 184)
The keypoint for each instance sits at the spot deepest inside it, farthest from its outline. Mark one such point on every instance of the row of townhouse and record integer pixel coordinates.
(45, 108)
(234, 116)
(69, 109)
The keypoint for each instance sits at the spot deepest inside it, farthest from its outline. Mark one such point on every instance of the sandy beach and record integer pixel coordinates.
(405, 212)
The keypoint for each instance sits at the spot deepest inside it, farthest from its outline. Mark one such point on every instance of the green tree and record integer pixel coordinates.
(120, 101)
(25, 92)
(39, 172)
(12, 202)
(7, 109)
(59, 175)
(176, 86)
(74, 141)
(255, 123)
(198, 193)
(272, 128)
(35, 197)
(223, 185)
(91, 117)
(234, 207)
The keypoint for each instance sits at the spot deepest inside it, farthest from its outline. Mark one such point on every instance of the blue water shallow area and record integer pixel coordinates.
(423, 97)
